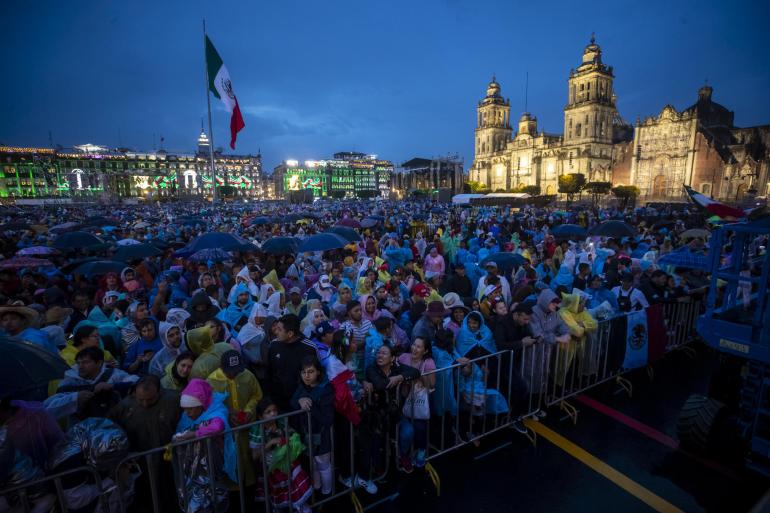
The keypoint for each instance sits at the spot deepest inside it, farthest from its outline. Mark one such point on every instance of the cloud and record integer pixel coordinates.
(280, 121)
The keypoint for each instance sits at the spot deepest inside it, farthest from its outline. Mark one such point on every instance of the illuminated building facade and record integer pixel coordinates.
(430, 175)
(347, 175)
(97, 172)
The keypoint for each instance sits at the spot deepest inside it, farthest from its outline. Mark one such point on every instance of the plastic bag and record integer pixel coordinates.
(102, 443)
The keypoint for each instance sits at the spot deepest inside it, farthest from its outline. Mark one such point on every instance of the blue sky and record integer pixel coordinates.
(398, 79)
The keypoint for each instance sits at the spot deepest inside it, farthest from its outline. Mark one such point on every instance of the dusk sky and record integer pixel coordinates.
(398, 79)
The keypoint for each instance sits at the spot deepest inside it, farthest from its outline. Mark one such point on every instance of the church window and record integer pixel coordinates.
(582, 87)
(578, 132)
(588, 95)
(588, 86)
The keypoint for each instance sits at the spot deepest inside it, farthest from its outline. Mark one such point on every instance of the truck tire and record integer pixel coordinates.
(696, 421)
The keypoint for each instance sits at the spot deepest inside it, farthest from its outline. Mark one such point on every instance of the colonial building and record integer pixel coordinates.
(429, 175)
(592, 126)
(699, 146)
(96, 172)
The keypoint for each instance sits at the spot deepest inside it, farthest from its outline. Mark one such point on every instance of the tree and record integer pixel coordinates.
(500, 190)
(475, 187)
(532, 190)
(596, 189)
(626, 194)
(368, 194)
(571, 184)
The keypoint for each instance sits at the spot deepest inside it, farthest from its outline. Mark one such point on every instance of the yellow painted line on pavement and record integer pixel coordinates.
(640, 492)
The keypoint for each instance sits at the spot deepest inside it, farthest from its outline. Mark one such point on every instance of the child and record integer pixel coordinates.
(278, 449)
(315, 395)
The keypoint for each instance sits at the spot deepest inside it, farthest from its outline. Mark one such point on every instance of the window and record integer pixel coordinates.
(706, 189)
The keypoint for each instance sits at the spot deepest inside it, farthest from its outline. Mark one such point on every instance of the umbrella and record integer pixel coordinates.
(141, 225)
(293, 218)
(665, 223)
(25, 367)
(74, 240)
(211, 254)
(348, 222)
(65, 227)
(280, 245)
(505, 261)
(37, 251)
(683, 257)
(436, 210)
(22, 262)
(100, 221)
(569, 231)
(695, 233)
(99, 267)
(127, 242)
(349, 233)
(136, 252)
(15, 226)
(221, 240)
(615, 229)
(377, 217)
(323, 242)
(369, 223)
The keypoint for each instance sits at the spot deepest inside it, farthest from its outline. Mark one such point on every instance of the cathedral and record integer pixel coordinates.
(699, 146)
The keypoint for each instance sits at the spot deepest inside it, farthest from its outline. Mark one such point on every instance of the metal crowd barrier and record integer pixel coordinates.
(470, 400)
(45, 494)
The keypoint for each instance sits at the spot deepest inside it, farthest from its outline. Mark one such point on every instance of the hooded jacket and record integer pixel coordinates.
(467, 339)
(198, 319)
(544, 323)
(208, 354)
(63, 404)
(166, 355)
(235, 315)
(140, 347)
(579, 323)
(243, 391)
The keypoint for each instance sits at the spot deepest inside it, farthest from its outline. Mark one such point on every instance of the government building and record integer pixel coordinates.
(89, 172)
(699, 146)
(346, 175)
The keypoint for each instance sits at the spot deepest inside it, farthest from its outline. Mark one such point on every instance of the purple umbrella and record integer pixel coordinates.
(24, 262)
(38, 251)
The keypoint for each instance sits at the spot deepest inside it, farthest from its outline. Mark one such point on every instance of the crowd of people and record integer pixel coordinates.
(175, 347)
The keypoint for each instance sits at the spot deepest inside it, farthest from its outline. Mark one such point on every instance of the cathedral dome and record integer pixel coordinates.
(592, 52)
(493, 89)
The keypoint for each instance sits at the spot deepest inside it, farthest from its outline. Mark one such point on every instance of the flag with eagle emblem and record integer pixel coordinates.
(221, 87)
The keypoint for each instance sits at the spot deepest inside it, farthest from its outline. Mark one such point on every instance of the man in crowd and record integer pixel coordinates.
(284, 359)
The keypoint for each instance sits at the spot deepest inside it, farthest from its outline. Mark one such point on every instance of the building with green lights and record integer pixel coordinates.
(97, 172)
(347, 175)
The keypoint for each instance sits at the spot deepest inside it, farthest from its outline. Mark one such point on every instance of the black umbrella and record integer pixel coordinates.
(616, 229)
(73, 240)
(280, 245)
(99, 267)
(569, 230)
(221, 240)
(213, 254)
(349, 233)
(136, 252)
(25, 367)
(369, 223)
(14, 226)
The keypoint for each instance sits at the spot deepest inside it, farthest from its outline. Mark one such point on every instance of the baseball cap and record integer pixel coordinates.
(491, 263)
(421, 290)
(231, 362)
(295, 290)
(324, 282)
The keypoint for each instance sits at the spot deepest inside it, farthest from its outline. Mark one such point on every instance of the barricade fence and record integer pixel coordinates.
(294, 462)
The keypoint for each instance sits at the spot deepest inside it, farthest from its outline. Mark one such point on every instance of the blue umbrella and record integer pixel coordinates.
(569, 231)
(369, 223)
(136, 252)
(26, 367)
(505, 261)
(99, 267)
(221, 240)
(211, 254)
(348, 233)
(74, 240)
(280, 245)
(262, 220)
(683, 257)
(323, 242)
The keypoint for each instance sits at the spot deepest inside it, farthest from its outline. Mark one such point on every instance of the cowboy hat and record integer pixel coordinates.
(436, 309)
(56, 314)
(29, 315)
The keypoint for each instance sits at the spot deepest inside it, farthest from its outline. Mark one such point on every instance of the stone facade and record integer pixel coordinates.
(592, 127)
(699, 146)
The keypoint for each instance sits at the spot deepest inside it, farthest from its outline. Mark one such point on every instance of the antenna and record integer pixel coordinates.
(50, 139)
(526, 91)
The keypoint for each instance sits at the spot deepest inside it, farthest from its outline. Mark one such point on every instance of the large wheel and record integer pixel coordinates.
(696, 422)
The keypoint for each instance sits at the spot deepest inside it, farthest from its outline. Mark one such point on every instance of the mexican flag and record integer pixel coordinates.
(221, 87)
(712, 206)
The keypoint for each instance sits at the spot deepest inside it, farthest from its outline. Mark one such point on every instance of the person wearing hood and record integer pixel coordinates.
(564, 278)
(90, 388)
(581, 325)
(314, 317)
(109, 283)
(207, 353)
(322, 289)
(295, 303)
(243, 393)
(136, 313)
(139, 355)
(598, 294)
(201, 311)
(369, 308)
(171, 337)
(205, 414)
(237, 312)
(177, 373)
(244, 278)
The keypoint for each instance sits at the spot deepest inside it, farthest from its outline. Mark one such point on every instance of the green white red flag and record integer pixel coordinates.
(221, 87)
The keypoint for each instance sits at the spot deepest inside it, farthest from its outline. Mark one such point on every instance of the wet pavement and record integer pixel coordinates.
(508, 473)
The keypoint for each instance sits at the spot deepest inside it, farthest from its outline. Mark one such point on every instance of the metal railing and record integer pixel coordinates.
(468, 400)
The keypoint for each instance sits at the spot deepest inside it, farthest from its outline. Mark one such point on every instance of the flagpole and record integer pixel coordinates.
(211, 130)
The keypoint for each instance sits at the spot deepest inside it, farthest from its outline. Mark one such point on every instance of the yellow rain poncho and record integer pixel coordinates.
(207, 354)
(580, 324)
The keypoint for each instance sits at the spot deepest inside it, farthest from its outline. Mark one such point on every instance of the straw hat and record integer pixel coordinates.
(56, 314)
(29, 315)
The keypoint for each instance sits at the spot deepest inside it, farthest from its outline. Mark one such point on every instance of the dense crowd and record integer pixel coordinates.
(182, 342)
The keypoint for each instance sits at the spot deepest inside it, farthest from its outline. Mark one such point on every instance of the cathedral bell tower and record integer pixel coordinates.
(590, 110)
(493, 127)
